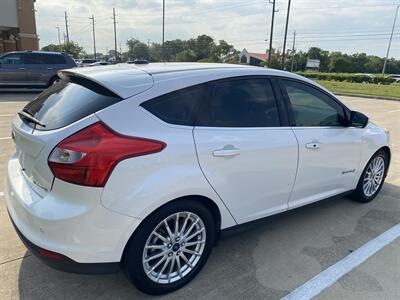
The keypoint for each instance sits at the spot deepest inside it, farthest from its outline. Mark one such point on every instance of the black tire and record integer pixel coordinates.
(132, 262)
(359, 195)
(52, 80)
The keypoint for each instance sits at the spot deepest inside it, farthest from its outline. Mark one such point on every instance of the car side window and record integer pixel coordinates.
(12, 59)
(179, 107)
(313, 108)
(56, 59)
(35, 59)
(240, 103)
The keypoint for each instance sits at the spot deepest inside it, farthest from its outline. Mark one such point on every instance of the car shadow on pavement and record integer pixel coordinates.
(266, 260)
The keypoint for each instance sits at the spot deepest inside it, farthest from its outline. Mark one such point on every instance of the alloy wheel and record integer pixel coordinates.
(174, 247)
(373, 176)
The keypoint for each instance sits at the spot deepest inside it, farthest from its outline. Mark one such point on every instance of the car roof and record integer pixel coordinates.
(38, 52)
(127, 80)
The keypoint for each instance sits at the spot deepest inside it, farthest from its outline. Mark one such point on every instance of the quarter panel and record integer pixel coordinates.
(140, 185)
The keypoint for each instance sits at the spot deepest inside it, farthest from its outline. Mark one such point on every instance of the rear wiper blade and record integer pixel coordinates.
(28, 116)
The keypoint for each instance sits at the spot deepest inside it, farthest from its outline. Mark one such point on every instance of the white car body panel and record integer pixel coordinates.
(256, 182)
(170, 168)
(69, 220)
(274, 171)
(329, 169)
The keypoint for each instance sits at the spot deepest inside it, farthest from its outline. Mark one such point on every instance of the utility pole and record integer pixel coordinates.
(66, 25)
(390, 41)
(286, 29)
(115, 36)
(272, 32)
(94, 37)
(163, 28)
(293, 53)
(59, 39)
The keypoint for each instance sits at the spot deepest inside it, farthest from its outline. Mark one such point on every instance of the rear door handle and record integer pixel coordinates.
(49, 68)
(22, 68)
(226, 152)
(313, 145)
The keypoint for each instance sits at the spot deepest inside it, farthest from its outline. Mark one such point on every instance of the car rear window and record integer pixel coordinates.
(179, 107)
(68, 101)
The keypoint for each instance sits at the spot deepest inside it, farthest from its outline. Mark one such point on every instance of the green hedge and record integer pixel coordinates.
(347, 77)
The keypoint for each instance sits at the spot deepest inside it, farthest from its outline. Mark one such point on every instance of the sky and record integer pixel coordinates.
(334, 25)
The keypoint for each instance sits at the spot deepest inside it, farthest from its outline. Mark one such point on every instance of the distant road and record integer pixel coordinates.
(17, 96)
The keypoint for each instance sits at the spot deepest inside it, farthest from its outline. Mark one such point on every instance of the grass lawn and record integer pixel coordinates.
(392, 90)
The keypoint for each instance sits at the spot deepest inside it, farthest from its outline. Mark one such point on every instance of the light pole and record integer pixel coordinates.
(272, 32)
(390, 41)
(286, 29)
(94, 37)
(163, 28)
(59, 39)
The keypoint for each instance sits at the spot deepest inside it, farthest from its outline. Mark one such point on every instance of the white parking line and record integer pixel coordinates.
(7, 115)
(393, 111)
(1, 194)
(328, 277)
(5, 138)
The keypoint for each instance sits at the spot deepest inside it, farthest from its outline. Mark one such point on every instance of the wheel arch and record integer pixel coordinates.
(205, 201)
(386, 149)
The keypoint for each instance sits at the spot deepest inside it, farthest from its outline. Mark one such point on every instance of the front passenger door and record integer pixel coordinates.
(329, 151)
(246, 155)
(13, 70)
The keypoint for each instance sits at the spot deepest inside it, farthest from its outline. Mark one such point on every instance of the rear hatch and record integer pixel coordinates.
(63, 109)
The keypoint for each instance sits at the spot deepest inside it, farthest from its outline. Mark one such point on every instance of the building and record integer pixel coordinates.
(251, 58)
(18, 25)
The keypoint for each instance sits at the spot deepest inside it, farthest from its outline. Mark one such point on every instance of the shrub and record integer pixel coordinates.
(348, 77)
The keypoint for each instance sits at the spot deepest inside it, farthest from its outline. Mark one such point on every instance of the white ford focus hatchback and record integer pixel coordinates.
(143, 166)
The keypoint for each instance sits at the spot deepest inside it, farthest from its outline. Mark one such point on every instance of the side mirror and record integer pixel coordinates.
(358, 119)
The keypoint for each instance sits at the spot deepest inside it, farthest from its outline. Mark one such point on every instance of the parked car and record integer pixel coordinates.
(86, 62)
(143, 166)
(396, 77)
(32, 68)
(99, 63)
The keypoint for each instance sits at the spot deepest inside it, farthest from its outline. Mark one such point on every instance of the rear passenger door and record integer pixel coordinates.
(39, 68)
(244, 152)
(13, 70)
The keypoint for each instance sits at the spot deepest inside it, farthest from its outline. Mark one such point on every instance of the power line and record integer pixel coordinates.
(390, 40)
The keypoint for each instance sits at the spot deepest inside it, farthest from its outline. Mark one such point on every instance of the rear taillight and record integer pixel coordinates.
(88, 156)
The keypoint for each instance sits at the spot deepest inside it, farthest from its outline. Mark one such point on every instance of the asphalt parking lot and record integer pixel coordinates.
(267, 261)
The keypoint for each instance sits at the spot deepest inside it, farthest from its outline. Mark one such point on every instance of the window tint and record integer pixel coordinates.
(68, 101)
(179, 107)
(313, 108)
(12, 59)
(240, 103)
(36, 59)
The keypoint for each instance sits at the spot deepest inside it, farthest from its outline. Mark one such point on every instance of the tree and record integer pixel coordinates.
(72, 48)
(323, 56)
(137, 49)
(53, 48)
(186, 55)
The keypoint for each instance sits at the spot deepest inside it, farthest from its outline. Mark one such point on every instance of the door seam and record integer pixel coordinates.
(297, 168)
(201, 169)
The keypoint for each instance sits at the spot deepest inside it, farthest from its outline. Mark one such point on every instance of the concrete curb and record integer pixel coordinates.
(368, 96)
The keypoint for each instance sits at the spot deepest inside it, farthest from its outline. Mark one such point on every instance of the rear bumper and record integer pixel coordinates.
(68, 221)
(63, 263)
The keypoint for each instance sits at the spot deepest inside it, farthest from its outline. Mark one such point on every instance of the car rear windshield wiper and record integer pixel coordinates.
(25, 114)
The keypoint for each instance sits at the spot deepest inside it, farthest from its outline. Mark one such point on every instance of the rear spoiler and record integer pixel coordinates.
(122, 80)
(87, 83)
